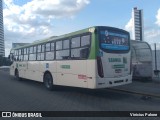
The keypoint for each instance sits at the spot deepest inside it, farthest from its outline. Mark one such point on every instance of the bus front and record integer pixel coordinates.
(113, 57)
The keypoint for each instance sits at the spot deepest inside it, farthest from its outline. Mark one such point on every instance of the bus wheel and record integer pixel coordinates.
(17, 75)
(48, 81)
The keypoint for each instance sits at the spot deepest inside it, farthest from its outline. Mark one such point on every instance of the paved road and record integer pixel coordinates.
(32, 96)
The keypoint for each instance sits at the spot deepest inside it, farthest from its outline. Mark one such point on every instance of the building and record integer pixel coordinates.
(138, 25)
(2, 49)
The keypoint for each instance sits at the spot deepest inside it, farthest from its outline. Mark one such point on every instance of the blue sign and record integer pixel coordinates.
(106, 33)
(114, 47)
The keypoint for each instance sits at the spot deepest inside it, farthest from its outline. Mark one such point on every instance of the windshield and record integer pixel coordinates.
(111, 41)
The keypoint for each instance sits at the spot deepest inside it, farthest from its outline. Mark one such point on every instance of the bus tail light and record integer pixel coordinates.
(100, 67)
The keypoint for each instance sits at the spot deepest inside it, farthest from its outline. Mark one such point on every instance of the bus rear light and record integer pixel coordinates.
(100, 67)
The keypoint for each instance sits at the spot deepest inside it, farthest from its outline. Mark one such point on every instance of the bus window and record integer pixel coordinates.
(35, 49)
(25, 57)
(75, 42)
(79, 53)
(62, 55)
(66, 44)
(59, 45)
(52, 46)
(31, 50)
(43, 48)
(48, 47)
(20, 55)
(85, 40)
(39, 48)
(50, 55)
(25, 54)
(32, 57)
(40, 52)
(25, 51)
(84, 52)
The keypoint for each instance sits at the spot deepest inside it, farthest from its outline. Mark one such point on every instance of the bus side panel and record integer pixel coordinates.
(22, 69)
(91, 73)
(50, 66)
(72, 73)
(32, 70)
(12, 69)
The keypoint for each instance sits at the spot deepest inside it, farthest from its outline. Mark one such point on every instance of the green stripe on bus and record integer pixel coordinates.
(66, 66)
(118, 66)
(94, 46)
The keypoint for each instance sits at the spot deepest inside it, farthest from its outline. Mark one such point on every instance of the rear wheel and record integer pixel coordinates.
(48, 81)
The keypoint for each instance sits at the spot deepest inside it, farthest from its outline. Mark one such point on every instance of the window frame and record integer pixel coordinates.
(34, 47)
(51, 50)
(89, 46)
(42, 50)
(64, 39)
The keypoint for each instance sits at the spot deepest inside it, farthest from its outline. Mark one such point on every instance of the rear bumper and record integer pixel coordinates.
(111, 82)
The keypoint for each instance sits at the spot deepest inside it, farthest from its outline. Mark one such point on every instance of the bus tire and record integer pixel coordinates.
(48, 81)
(17, 75)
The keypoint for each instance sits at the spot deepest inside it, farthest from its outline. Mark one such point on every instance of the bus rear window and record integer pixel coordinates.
(114, 41)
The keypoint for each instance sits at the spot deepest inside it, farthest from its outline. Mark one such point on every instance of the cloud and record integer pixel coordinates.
(151, 32)
(158, 17)
(35, 19)
(129, 27)
(152, 35)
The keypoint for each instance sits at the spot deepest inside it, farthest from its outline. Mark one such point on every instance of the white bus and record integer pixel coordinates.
(96, 57)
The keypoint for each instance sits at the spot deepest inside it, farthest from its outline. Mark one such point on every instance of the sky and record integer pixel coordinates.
(28, 20)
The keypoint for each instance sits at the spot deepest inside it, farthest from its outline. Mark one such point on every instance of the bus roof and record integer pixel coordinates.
(52, 38)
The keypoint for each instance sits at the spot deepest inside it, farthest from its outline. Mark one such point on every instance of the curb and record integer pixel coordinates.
(137, 93)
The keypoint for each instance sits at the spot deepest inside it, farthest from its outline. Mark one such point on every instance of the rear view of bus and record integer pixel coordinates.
(113, 57)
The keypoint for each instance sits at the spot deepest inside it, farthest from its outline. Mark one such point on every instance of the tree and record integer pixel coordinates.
(4, 61)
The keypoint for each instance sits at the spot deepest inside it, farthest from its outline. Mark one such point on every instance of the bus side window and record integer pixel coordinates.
(75, 42)
(49, 53)
(15, 55)
(42, 53)
(48, 47)
(19, 55)
(32, 53)
(62, 54)
(66, 44)
(25, 57)
(85, 44)
(80, 51)
(84, 52)
(75, 48)
(85, 40)
(59, 45)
